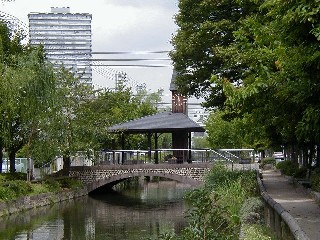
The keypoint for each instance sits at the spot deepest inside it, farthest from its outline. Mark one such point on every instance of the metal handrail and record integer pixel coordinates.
(124, 156)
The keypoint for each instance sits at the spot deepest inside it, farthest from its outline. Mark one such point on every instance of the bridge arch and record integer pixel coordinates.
(98, 176)
(118, 178)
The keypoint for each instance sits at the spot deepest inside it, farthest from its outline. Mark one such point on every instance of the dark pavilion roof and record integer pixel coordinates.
(164, 122)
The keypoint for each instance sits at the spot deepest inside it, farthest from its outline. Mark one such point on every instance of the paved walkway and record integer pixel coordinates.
(296, 200)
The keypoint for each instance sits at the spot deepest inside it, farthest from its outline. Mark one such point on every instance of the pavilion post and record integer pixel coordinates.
(156, 157)
(189, 146)
(123, 147)
(149, 146)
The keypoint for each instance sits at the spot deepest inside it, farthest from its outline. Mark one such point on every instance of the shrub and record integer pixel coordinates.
(265, 161)
(301, 172)
(206, 219)
(290, 168)
(252, 219)
(216, 209)
(257, 232)
(56, 184)
(215, 212)
(252, 211)
(38, 188)
(69, 183)
(52, 184)
(315, 181)
(220, 176)
(12, 176)
(13, 185)
(287, 167)
(13, 189)
(6, 194)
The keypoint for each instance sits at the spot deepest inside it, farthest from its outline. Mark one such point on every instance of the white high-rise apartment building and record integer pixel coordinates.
(66, 38)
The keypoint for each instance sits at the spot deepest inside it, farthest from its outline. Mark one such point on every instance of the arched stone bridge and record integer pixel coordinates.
(99, 176)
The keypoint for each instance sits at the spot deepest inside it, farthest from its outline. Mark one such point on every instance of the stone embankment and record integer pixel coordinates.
(290, 210)
(43, 199)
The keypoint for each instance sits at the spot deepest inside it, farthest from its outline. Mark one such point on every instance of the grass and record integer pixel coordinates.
(14, 185)
(256, 232)
(38, 188)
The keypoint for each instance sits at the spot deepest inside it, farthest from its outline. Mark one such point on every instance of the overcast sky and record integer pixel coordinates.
(119, 25)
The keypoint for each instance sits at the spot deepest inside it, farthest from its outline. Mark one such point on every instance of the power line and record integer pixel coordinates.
(130, 65)
(132, 52)
(103, 69)
(128, 59)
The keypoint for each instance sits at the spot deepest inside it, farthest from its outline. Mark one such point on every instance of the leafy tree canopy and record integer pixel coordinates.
(262, 65)
(205, 30)
(26, 82)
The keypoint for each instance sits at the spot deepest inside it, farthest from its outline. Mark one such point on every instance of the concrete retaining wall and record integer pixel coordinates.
(312, 194)
(29, 202)
(278, 219)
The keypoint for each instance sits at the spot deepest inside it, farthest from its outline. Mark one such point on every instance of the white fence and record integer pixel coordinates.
(21, 165)
(174, 156)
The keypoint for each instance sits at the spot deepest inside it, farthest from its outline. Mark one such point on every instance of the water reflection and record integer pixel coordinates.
(140, 213)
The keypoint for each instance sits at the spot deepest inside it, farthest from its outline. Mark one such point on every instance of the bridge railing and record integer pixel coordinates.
(128, 157)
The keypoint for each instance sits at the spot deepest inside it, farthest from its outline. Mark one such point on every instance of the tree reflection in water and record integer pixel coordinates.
(136, 213)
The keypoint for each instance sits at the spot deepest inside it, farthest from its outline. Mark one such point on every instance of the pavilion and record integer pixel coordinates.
(175, 122)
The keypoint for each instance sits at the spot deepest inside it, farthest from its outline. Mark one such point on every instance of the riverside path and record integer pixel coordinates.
(296, 200)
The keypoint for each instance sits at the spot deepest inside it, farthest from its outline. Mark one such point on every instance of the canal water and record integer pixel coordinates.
(143, 212)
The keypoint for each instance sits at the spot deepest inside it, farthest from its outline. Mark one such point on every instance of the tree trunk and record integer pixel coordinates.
(66, 165)
(311, 155)
(293, 153)
(1, 155)
(12, 150)
(12, 159)
(305, 156)
(318, 156)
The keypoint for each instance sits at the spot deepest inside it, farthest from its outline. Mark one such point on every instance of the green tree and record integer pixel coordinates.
(200, 142)
(26, 84)
(268, 71)
(110, 107)
(66, 127)
(8, 44)
(235, 132)
(281, 86)
(79, 119)
(221, 133)
(205, 30)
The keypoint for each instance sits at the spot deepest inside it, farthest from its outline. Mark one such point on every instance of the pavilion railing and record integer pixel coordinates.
(174, 156)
